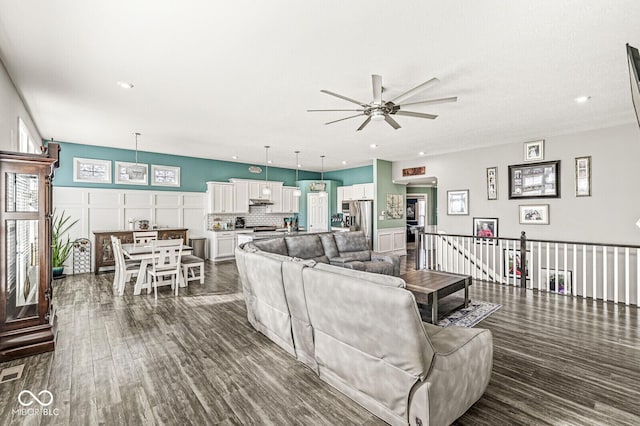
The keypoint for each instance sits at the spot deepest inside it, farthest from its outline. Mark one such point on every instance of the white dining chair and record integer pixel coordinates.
(192, 264)
(124, 271)
(167, 256)
(144, 237)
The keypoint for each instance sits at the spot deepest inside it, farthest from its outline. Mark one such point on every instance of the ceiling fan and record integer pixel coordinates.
(379, 109)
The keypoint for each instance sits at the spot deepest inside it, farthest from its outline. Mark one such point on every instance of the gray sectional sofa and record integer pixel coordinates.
(362, 333)
(346, 249)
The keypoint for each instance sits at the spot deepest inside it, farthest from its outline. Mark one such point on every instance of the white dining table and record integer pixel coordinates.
(145, 255)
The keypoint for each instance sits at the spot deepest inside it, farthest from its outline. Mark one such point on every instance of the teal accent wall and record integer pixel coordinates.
(348, 177)
(332, 195)
(384, 185)
(194, 172)
(432, 201)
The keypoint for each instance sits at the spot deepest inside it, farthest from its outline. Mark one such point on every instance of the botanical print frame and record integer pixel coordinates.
(132, 173)
(583, 176)
(508, 270)
(485, 227)
(534, 214)
(91, 170)
(538, 180)
(492, 183)
(395, 206)
(534, 151)
(565, 283)
(165, 175)
(458, 202)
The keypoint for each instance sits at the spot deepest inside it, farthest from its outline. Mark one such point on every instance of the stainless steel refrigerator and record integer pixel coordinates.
(361, 218)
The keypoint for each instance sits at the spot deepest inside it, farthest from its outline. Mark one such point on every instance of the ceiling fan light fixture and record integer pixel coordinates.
(377, 116)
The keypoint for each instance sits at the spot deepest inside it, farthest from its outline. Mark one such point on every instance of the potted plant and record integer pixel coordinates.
(60, 249)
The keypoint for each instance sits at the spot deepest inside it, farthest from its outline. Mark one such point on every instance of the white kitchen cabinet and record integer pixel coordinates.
(275, 197)
(392, 240)
(290, 203)
(223, 245)
(363, 191)
(347, 193)
(220, 197)
(241, 196)
(340, 197)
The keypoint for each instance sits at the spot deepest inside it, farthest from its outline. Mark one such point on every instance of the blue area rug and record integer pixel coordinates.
(469, 316)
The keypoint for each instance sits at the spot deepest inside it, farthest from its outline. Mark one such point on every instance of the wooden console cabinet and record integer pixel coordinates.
(27, 317)
(104, 251)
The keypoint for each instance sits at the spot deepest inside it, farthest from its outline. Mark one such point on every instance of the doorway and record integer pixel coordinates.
(317, 212)
(416, 214)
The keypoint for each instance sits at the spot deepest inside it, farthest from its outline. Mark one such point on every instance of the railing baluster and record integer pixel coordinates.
(539, 265)
(626, 276)
(515, 264)
(556, 267)
(575, 265)
(547, 285)
(501, 262)
(493, 262)
(595, 271)
(584, 270)
(605, 273)
(638, 278)
(615, 275)
(475, 257)
(566, 276)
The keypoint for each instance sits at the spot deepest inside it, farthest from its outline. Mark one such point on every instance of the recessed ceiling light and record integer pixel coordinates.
(125, 84)
(269, 161)
(582, 99)
(344, 162)
(421, 153)
(299, 165)
(373, 145)
(235, 157)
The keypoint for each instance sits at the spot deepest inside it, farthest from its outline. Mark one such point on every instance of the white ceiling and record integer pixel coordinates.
(216, 79)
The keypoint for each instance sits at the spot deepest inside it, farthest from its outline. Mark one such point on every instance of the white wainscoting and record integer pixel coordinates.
(109, 209)
(392, 240)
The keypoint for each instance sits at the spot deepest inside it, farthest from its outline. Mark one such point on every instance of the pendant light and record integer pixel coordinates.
(266, 191)
(297, 192)
(322, 193)
(136, 134)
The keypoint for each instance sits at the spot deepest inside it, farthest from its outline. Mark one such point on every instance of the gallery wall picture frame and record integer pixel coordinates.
(534, 214)
(91, 170)
(492, 183)
(131, 173)
(534, 151)
(165, 175)
(484, 227)
(565, 280)
(583, 176)
(535, 180)
(458, 202)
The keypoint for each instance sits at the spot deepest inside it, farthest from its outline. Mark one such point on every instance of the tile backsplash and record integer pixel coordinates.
(257, 216)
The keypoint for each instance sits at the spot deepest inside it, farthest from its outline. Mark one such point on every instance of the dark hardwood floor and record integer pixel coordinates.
(194, 359)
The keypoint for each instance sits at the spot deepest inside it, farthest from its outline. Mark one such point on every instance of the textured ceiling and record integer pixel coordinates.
(217, 79)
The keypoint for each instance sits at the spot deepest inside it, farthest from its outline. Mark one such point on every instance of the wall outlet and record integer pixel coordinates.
(381, 217)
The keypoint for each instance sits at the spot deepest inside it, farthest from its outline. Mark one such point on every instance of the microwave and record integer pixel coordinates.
(345, 207)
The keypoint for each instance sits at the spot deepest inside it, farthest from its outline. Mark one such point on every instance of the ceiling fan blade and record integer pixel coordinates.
(343, 97)
(391, 121)
(342, 119)
(377, 89)
(433, 101)
(364, 124)
(323, 110)
(416, 114)
(406, 95)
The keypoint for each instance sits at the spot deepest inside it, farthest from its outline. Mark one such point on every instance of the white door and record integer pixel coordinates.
(317, 213)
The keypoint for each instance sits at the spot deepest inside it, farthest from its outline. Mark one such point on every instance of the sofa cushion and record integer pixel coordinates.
(379, 267)
(273, 245)
(305, 246)
(387, 280)
(329, 245)
(353, 245)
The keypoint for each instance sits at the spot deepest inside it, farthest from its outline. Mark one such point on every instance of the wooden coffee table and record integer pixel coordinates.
(430, 287)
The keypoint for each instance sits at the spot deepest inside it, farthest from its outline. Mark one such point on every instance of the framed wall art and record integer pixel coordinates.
(539, 180)
(165, 175)
(534, 214)
(91, 170)
(132, 173)
(485, 227)
(458, 202)
(511, 268)
(583, 176)
(492, 183)
(534, 151)
(548, 278)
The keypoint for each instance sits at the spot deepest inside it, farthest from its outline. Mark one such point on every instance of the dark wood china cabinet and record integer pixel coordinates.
(27, 316)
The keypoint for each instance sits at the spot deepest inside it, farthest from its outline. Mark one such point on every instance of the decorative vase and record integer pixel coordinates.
(57, 271)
